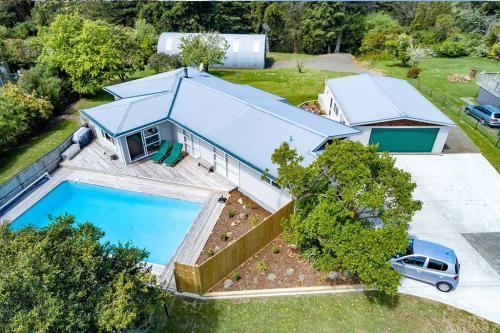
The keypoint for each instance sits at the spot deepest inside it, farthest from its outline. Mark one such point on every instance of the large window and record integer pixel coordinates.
(143, 143)
(256, 46)
(236, 45)
(170, 41)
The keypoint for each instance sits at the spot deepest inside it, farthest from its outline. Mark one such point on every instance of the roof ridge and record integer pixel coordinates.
(398, 109)
(261, 109)
(130, 103)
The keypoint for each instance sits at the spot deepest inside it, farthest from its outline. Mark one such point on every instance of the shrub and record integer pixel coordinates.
(41, 80)
(413, 73)
(161, 62)
(224, 237)
(450, 48)
(254, 220)
(495, 51)
(230, 213)
(211, 253)
(261, 266)
(275, 249)
(235, 276)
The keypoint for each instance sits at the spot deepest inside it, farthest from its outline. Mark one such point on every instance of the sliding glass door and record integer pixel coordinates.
(143, 143)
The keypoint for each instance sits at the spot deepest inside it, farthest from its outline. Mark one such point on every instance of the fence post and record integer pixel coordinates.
(430, 94)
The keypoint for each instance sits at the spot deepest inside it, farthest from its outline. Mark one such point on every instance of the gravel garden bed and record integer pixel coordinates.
(239, 215)
(279, 265)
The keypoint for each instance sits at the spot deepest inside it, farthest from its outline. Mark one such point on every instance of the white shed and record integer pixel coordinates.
(245, 50)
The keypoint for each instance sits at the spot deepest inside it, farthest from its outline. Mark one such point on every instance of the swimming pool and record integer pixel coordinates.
(155, 223)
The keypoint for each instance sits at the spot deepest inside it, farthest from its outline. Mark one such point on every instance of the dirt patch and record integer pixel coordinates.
(458, 78)
(239, 215)
(312, 106)
(284, 268)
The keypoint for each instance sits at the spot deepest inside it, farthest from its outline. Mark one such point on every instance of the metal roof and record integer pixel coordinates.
(369, 98)
(246, 122)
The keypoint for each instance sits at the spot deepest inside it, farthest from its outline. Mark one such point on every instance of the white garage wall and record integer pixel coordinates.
(363, 137)
(441, 139)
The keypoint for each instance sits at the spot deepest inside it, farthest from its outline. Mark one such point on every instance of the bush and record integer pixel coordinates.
(230, 213)
(20, 114)
(43, 82)
(275, 249)
(450, 48)
(161, 62)
(413, 73)
(254, 220)
(235, 276)
(224, 237)
(261, 266)
(495, 51)
(211, 253)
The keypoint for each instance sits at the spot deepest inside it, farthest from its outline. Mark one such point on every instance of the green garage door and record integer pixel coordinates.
(404, 139)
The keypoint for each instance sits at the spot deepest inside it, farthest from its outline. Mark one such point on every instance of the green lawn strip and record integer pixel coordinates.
(350, 312)
(58, 130)
(276, 56)
(286, 82)
(446, 95)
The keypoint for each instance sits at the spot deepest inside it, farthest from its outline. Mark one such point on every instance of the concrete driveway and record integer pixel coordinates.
(461, 210)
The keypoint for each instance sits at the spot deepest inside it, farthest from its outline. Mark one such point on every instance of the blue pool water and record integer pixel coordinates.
(155, 223)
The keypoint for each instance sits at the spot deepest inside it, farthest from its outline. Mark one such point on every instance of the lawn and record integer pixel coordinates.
(56, 132)
(433, 78)
(348, 312)
(286, 82)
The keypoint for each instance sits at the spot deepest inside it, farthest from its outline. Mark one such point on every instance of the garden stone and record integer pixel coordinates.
(271, 277)
(235, 223)
(333, 275)
(228, 283)
(243, 215)
(290, 271)
(302, 277)
(229, 233)
(244, 207)
(217, 248)
(240, 201)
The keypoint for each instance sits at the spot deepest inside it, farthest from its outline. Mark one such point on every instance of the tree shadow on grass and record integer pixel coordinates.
(379, 298)
(186, 314)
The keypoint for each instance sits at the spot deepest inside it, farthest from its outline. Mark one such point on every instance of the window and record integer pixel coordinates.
(414, 261)
(272, 183)
(256, 46)
(109, 138)
(236, 45)
(437, 265)
(170, 41)
(336, 109)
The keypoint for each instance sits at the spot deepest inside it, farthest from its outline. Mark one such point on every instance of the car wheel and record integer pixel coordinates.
(481, 121)
(445, 287)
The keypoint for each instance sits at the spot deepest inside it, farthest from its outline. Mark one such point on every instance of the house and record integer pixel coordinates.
(489, 89)
(231, 127)
(390, 112)
(245, 50)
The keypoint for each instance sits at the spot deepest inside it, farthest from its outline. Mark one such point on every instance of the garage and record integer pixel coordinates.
(389, 112)
(401, 140)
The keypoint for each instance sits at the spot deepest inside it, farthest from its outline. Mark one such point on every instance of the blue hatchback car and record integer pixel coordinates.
(486, 114)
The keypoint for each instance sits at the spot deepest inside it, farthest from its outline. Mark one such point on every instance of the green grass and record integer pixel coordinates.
(286, 82)
(276, 56)
(59, 129)
(350, 312)
(446, 95)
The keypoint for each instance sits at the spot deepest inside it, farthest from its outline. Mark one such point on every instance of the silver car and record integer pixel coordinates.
(429, 262)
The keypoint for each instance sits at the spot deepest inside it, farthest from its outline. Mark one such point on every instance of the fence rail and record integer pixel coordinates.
(26, 177)
(199, 279)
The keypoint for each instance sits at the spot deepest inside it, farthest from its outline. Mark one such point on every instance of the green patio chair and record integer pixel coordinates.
(162, 152)
(174, 155)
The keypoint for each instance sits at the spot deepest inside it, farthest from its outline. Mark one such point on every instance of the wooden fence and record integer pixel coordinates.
(26, 177)
(200, 278)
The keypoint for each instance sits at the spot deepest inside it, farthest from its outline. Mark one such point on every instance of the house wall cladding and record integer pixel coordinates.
(25, 178)
(486, 98)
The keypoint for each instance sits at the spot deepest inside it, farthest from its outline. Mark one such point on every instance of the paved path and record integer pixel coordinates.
(460, 194)
(339, 62)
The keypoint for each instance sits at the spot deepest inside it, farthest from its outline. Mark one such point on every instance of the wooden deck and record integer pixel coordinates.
(96, 157)
(186, 181)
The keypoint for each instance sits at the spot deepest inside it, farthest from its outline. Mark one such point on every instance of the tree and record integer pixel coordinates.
(397, 45)
(20, 114)
(427, 13)
(417, 54)
(274, 18)
(319, 26)
(41, 80)
(352, 209)
(61, 278)
(378, 28)
(443, 25)
(91, 52)
(146, 37)
(21, 53)
(161, 62)
(205, 49)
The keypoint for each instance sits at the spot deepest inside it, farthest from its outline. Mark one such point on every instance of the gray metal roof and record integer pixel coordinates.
(246, 122)
(369, 98)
